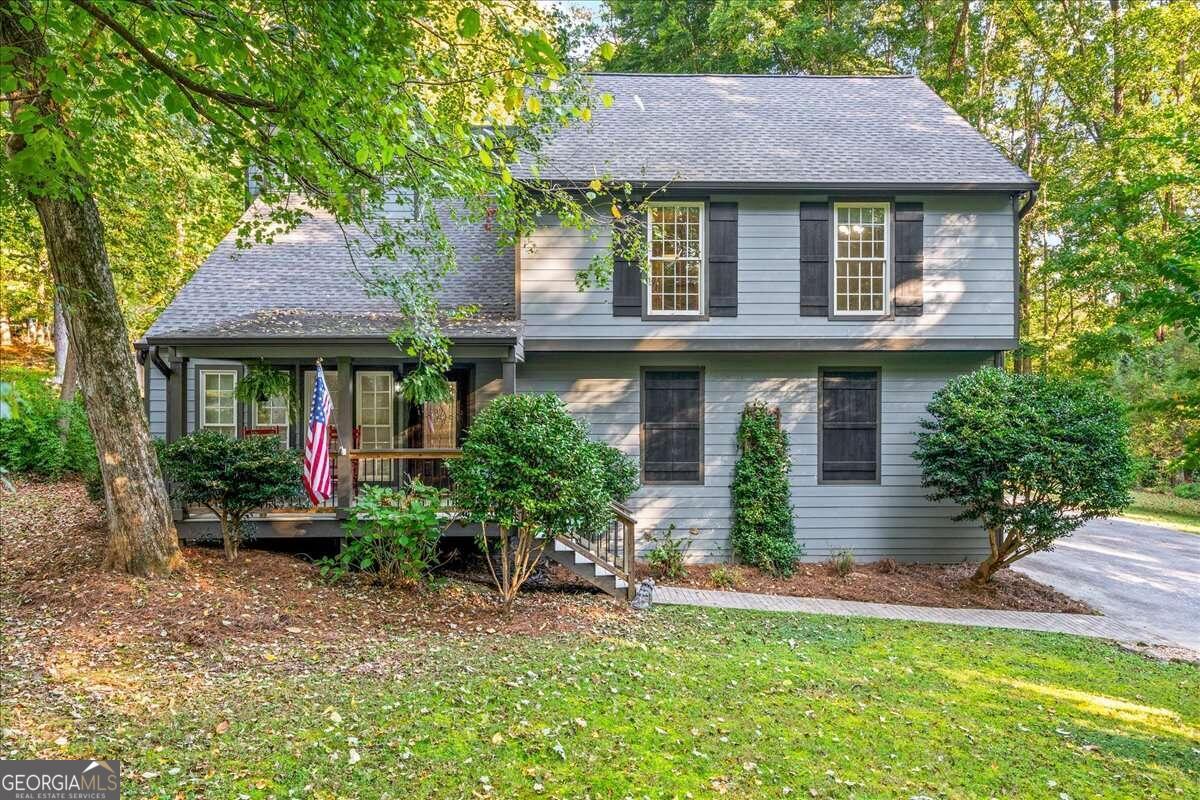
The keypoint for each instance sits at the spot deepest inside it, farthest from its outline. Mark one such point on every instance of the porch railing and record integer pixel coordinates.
(398, 468)
(614, 548)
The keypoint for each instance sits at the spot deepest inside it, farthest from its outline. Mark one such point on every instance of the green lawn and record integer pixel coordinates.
(1165, 509)
(691, 703)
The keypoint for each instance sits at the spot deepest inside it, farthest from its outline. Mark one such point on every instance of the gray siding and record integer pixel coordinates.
(890, 519)
(157, 401)
(969, 288)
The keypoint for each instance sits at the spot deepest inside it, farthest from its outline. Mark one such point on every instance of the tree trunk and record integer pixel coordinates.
(142, 538)
(1005, 549)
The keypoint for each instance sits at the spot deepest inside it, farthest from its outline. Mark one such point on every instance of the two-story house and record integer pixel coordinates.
(837, 247)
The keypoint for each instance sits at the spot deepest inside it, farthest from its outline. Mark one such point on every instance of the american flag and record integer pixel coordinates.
(318, 479)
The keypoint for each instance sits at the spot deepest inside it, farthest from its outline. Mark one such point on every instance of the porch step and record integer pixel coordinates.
(585, 566)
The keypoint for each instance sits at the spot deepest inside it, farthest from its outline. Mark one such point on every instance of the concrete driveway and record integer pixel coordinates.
(1145, 576)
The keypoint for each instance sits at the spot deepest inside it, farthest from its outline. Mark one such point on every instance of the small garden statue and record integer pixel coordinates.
(644, 597)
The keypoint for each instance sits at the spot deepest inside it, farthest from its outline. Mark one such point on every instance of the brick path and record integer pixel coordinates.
(1077, 624)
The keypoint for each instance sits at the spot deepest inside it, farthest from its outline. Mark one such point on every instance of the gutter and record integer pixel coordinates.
(1027, 206)
(158, 362)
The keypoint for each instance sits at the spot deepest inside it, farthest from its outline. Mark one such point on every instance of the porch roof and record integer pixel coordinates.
(288, 324)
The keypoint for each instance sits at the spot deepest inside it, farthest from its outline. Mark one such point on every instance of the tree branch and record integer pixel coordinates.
(170, 70)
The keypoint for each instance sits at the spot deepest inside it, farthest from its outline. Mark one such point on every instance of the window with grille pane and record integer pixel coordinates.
(849, 442)
(861, 261)
(675, 244)
(219, 404)
(672, 426)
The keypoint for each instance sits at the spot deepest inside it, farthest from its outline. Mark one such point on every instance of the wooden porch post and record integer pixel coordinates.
(508, 375)
(176, 397)
(343, 410)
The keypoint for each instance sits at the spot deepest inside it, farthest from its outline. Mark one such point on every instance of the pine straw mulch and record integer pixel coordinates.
(57, 604)
(940, 585)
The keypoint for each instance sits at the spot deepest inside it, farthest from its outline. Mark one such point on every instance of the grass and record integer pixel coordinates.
(1165, 509)
(692, 703)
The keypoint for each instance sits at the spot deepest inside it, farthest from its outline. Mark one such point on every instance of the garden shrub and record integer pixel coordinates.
(842, 562)
(41, 435)
(667, 556)
(529, 467)
(391, 535)
(1187, 491)
(763, 532)
(231, 477)
(1032, 458)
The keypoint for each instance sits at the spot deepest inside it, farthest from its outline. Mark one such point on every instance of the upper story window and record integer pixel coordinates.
(860, 266)
(676, 250)
(218, 410)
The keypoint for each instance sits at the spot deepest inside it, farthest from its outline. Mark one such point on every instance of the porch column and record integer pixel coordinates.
(176, 410)
(343, 410)
(508, 375)
(176, 396)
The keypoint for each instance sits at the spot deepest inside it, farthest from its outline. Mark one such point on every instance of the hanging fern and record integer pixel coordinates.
(263, 382)
(763, 533)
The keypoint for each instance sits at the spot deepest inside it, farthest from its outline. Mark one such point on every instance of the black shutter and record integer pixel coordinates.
(627, 285)
(814, 259)
(672, 413)
(722, 259)
(849, 425)
(909, 297)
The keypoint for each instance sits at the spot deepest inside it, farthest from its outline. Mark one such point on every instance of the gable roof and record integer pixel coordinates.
(778, 131)
(307, 283)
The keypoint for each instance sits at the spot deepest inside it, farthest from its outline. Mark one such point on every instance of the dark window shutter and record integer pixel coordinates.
(849, 425)
(722, 259)
(814, 259)
(672, 450)
(909, 297)
(628, 290)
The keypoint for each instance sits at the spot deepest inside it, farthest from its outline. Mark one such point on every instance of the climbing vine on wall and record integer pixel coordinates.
(764, 533)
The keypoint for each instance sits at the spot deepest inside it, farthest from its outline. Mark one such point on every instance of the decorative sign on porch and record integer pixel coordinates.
(318, 476)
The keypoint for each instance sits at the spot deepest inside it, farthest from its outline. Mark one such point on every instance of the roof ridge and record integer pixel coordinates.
(742, 75)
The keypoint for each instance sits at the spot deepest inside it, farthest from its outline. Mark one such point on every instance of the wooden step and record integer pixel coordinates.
(585, 566)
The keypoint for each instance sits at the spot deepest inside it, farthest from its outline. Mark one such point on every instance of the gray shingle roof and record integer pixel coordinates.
(797, 131)
(305, 283)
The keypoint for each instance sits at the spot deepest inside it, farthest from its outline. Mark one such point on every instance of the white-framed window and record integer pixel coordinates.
(861, 266)
(218, 403)
(675, 246)
(373, 396)
(272, 414)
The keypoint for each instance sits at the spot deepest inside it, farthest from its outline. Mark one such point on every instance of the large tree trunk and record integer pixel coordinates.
(142, 538)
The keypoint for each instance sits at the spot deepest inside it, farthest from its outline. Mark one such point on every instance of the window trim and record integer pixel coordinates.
(878, 372)
(888, 258)
(642, 422)
(285, 434)
(202, 374)
(648, 312)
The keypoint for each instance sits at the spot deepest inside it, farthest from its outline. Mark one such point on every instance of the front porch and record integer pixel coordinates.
(377, 437)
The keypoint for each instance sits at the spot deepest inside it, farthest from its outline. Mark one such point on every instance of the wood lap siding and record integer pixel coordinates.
(849, 426)
(672, 425)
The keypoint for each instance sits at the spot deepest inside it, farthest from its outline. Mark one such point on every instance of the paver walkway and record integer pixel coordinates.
(1078, 624)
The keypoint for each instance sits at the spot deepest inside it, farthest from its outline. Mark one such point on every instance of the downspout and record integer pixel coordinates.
(1031, 197)
(158, 362)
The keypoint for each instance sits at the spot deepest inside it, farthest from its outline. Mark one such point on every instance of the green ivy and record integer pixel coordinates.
(764, 532)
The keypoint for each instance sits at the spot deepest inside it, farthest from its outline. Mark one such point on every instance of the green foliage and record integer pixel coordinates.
(763, 532)
(621, 473)
(725, 577)
(32, 436)
(1187, 491)
(392, 535)
(529, 467)
(231, 477)
(527, 463)
(842, 562)
(263, 382)
(666, 557)
(1031, 458)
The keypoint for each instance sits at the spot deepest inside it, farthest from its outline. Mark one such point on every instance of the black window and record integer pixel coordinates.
(849, 400)
(672, 426)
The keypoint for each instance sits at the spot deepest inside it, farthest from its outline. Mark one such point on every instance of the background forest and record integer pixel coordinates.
(1099, 100)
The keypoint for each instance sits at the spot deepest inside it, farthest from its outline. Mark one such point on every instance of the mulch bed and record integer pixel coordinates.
(945, 586)
(54, 594)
